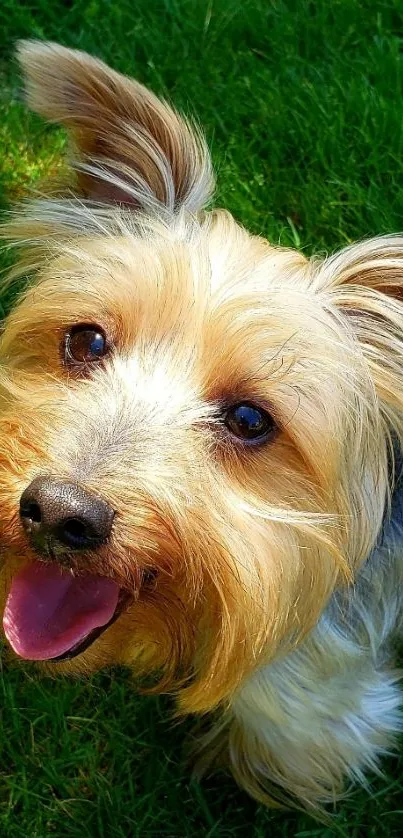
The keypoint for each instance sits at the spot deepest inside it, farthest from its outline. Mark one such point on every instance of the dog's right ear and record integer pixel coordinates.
(131, 148)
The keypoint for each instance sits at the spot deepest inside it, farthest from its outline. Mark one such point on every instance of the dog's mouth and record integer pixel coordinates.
(52, 615)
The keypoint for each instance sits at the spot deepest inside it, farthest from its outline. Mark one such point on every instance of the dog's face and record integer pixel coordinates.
(194, 424)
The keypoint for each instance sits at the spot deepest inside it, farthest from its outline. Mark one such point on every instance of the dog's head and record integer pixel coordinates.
(195, 426)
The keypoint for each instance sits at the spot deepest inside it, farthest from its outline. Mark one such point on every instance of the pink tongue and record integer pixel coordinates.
(49, 611)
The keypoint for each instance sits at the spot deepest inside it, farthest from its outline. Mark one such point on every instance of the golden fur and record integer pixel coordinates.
(246, 545)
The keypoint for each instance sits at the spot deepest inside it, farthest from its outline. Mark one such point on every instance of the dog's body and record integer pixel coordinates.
(200, 446)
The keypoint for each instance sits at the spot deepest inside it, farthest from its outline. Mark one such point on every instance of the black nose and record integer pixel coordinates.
(56, 511)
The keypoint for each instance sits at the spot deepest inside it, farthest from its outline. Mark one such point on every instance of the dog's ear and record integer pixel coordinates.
(364, 282)
(130, 147)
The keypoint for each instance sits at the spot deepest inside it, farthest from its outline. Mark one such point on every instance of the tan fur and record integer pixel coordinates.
(248, 544)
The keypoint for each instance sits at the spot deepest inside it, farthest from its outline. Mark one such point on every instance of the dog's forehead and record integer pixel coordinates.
(206, 299)
(176, 275)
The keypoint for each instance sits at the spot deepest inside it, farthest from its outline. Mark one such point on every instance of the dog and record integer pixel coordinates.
(200, 448)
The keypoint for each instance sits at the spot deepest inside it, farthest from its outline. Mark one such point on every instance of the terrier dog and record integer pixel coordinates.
(200, 448)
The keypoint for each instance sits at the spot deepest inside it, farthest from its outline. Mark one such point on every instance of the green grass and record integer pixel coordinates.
(302, 104)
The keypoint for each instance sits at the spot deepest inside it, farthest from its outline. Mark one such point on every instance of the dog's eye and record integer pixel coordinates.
(85, 344)
(249, 422)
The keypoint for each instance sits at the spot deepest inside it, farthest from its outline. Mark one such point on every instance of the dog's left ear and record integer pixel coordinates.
(131, 148)
(365, 282)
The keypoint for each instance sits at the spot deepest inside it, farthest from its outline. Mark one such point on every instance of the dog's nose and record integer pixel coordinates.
(56, 511)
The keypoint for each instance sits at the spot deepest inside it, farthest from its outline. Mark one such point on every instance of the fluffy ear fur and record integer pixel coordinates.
(131, 148)
(365, 282)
